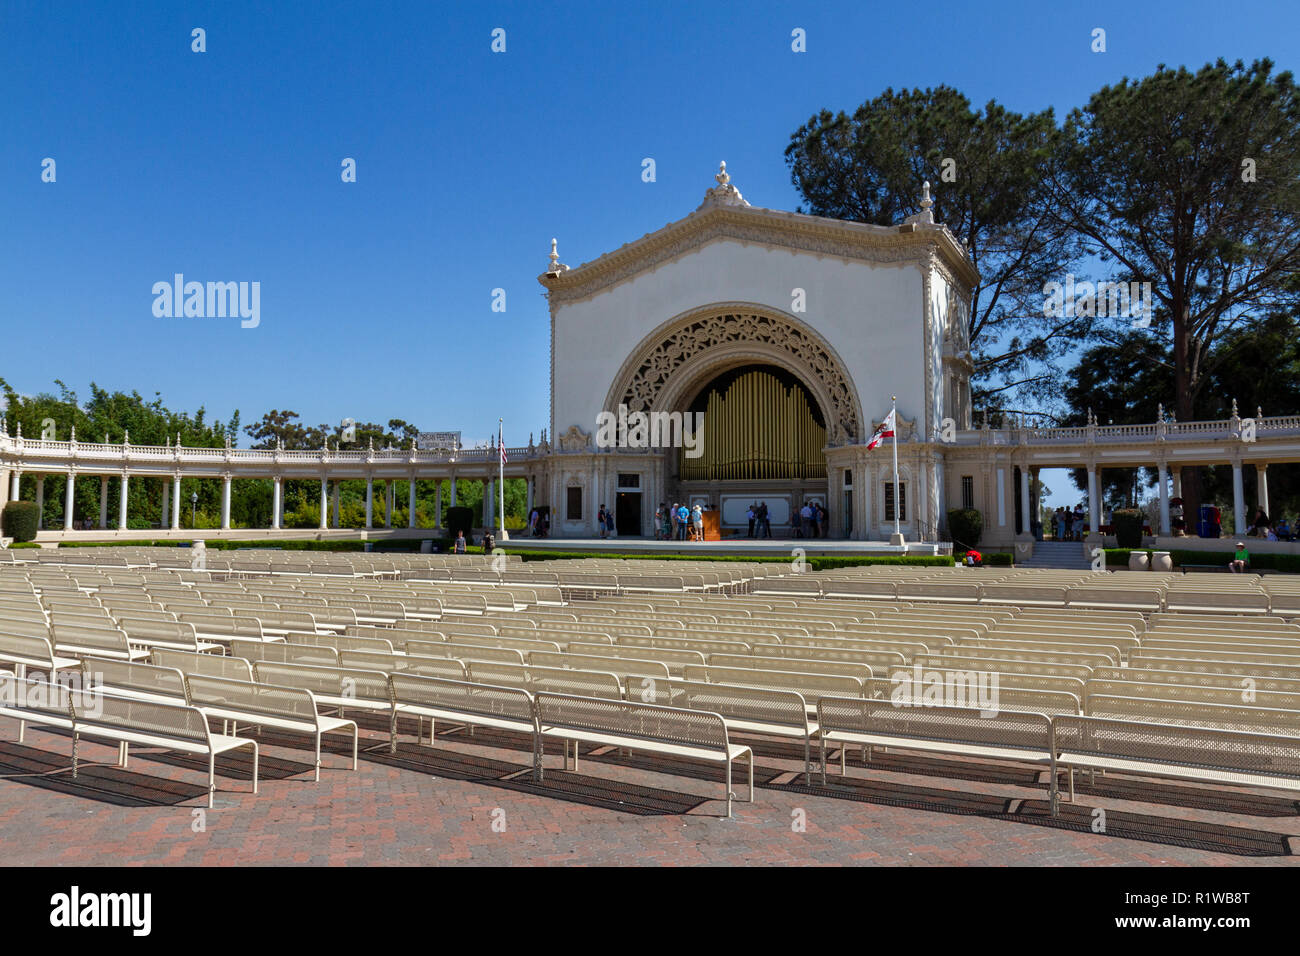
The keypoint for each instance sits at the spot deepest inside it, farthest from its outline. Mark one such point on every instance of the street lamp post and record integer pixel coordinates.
(194, 503)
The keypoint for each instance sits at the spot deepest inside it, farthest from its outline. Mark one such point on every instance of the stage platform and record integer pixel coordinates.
(740, 547)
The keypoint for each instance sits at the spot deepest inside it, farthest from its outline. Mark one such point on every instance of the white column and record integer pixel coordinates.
(176, 504)
(1094, 506)
(1238, 502)
(225, 502)
(277, 492)
(324, 503)
(121, 505)
(453, 491)
(370, 501)
(1178, 486)
(103, 501)
(1164, 498)
(532, 482)
(437, 505)
(388, 503)
(162, 513)
(1261, 477)
(13, 484)
(1024, 499)
(68, 502)
(410, 506)
(336, 504)
(489, 501)
(40, 502)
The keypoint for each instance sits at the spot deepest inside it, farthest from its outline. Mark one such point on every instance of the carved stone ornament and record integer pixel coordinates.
(698, 335)
(575, 439)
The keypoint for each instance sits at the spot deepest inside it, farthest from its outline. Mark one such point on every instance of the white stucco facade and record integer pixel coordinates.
(857, 313)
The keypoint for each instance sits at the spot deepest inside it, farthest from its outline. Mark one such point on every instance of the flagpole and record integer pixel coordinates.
(501, 482)
(898, 535)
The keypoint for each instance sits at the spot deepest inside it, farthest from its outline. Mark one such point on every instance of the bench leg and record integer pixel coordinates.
(575, 756)
(355, 739)
(807, 763)
(254, 745)
(392, 733)
(212, 777)
(318, 756)
(76, 738)
(751, 776)
(22, 730)
(823, 761)
(728, 784)
(124, 755)
(1071, 770)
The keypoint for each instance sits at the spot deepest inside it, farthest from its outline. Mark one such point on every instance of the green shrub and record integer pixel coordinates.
(1127, 523)
(23, 544)
(965, 525)
(19, 520)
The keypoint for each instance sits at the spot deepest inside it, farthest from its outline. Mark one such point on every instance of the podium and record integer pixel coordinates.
(712, 526)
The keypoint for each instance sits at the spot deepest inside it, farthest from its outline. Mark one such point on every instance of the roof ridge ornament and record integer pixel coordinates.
(926, 215)
(556, 266)
(723, 194)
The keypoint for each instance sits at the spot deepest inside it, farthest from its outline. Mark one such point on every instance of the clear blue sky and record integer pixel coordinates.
(376, 296)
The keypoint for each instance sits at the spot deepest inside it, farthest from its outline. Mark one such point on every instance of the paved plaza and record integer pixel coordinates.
(471, 801)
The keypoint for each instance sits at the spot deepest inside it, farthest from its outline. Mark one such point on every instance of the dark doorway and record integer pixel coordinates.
(627, 514)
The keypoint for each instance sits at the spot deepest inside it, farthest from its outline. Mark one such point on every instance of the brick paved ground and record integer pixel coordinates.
(425, 806)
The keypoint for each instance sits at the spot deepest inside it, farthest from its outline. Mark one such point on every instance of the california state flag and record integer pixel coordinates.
(886, 430)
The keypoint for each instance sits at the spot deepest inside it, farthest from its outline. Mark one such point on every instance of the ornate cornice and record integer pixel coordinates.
(913, 243)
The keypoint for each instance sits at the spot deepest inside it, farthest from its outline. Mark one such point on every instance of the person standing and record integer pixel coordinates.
(683, 522)
(666, 523)
(752, 517)
(460, 542)
(764, 521)
(697, 519)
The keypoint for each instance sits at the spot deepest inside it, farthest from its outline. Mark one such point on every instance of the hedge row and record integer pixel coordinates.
(19, 520)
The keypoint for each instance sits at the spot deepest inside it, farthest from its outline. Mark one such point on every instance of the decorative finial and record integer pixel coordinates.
(73, 437)
(1259, 411)
(926, 201)
(126, 436)
(178, 439)
(20, 429)
(1160, 412)
(926, 215)
(556, 266)
(371, 441)
(724, 194)
(1234, 408)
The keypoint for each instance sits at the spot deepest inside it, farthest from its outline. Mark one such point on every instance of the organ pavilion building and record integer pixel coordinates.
(782, 336)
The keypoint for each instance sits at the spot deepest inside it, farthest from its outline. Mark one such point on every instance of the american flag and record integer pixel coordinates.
(501, 445)
(886, 430)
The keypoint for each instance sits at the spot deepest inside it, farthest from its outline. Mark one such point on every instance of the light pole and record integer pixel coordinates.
(194, 503)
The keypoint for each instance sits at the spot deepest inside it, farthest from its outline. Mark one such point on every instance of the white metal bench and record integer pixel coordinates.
(671, 731)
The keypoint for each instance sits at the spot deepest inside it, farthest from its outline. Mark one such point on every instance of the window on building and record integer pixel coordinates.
(848, 477)
(629, 480)
(573, 505)
(968, 491)
(889, 501)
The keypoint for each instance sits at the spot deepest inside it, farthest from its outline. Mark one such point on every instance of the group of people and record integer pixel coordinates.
(1262, 526)
(812, 521)
(539, 524)
(605, 522)
(679, 523)
(758, 518)
(1068, 525)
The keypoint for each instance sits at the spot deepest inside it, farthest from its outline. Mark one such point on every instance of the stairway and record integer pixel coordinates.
(1057, 555)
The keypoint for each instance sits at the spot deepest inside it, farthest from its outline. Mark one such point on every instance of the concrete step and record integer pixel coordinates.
(1057, 555)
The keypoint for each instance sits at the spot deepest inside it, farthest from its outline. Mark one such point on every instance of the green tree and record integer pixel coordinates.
(1190, 182)
(869, 167)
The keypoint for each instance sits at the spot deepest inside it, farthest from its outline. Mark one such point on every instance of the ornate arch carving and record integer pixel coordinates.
(738, 329)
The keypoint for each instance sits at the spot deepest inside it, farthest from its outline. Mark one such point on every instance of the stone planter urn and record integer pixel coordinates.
(1161, 561)
(1137, 561)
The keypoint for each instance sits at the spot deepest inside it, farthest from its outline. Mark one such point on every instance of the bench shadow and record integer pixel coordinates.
(52, 771)
(1169, 831)
(616, 795)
